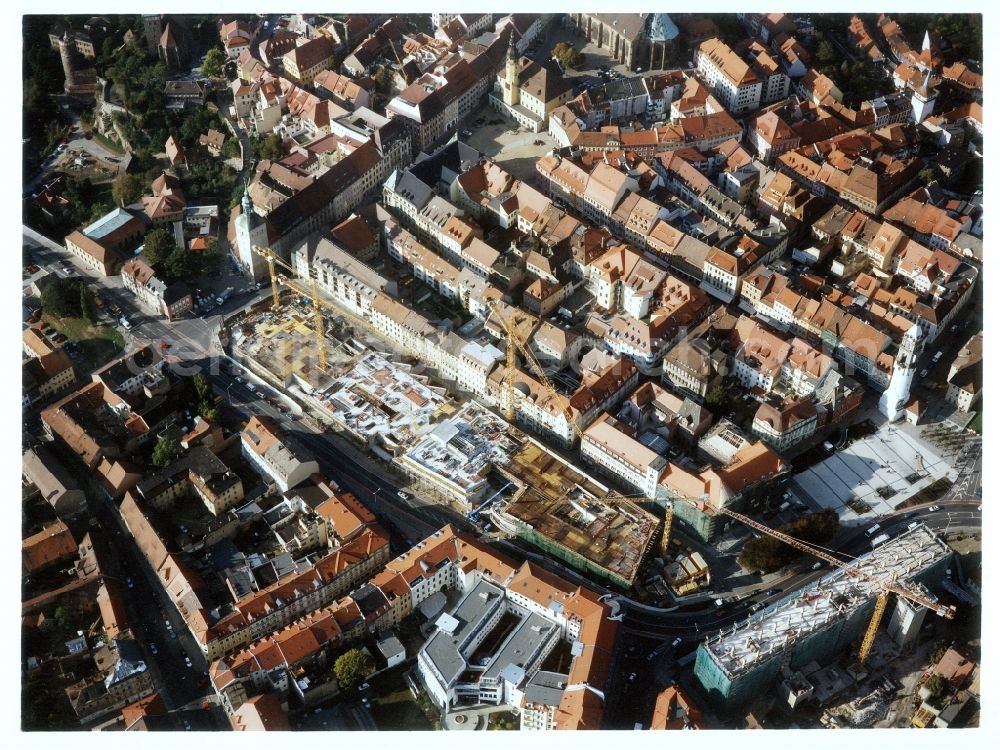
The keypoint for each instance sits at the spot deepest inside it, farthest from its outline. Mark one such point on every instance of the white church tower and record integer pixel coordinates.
(922, 100)
(251, 230)
(898, 393)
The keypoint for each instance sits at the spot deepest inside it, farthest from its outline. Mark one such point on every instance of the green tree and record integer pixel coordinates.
(180, 265)
(67, 617)
(940, 648)
(352, 667)
(211, 259)
(928, 175)
(268, 147)
(165, 452)
(207, 411)
(383, 80)
(215, 59)
(231, 148)
(126, 190)
(61, 299)
(567, 55)
(766, 554)
(87, 307)
(826, 54)
(936, 686)
(159, 246)
(201, 386)
(717, 397)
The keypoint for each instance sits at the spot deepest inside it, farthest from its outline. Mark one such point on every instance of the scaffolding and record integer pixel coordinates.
(836, 605)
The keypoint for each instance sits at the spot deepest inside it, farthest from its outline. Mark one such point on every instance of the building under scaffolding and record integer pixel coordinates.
(816, 623)
(558, 509)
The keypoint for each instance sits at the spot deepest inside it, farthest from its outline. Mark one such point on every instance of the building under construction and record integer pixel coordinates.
(283, 343)
(558, 508)
(823, 620)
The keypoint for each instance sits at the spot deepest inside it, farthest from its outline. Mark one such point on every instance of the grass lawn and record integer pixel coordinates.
(393, 707)
(98, 343)
(976, 425)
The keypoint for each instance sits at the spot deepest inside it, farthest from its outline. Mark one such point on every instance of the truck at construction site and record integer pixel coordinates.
(223, 296)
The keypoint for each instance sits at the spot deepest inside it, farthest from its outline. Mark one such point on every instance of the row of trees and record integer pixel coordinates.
(766, 554)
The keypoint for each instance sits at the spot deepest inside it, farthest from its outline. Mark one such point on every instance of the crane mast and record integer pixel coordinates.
(514, 340)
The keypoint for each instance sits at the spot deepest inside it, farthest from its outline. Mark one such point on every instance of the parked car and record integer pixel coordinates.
(934, 509)
(152, 647)
(187, 661)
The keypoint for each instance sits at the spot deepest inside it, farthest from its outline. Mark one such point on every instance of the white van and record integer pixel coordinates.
(872, 530)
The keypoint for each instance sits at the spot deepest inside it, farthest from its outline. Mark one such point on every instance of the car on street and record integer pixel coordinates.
(934, 509)
(403, 495)
(130, 582)
(186, 724)
(676, 642)
(152, 647)
(772, 591)
(187, 661)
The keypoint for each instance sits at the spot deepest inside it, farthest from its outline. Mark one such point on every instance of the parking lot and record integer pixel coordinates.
(880, 471)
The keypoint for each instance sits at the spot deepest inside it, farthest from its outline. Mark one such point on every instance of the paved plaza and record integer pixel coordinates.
(893, 462)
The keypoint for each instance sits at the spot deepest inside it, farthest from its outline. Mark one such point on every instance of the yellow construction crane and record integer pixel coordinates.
(312, 293)
(514, 341)
(402, 69)
(267, 254)
(869, 639)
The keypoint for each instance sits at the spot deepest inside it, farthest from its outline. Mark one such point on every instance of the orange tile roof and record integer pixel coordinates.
(52, 544)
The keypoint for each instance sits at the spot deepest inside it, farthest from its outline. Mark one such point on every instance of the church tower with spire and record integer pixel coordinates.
(251, 230)
(897, 394)
(923, 99)
(512, 85)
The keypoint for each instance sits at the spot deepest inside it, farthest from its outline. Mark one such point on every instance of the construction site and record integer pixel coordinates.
(562, 510)
(283, 343)
(457, 454)
(824, 620)
(383, 404)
